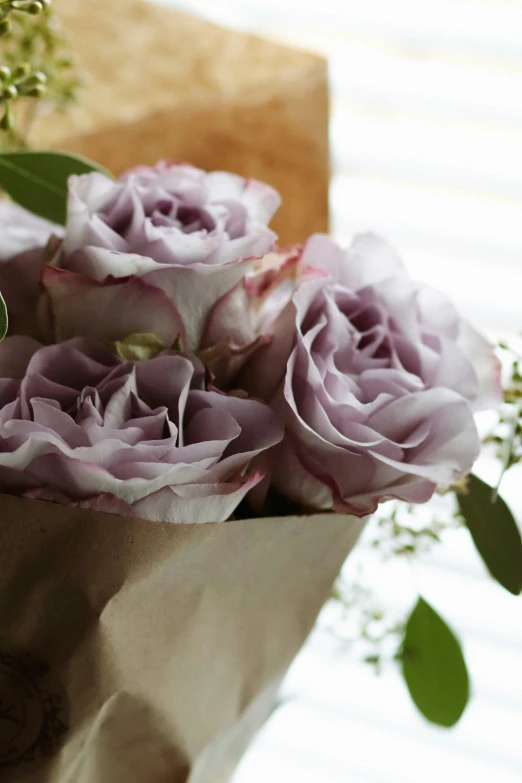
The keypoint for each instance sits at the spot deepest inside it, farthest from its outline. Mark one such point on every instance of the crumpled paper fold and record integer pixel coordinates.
(139, 652)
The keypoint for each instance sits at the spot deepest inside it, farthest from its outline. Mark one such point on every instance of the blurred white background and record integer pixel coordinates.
(426, 135)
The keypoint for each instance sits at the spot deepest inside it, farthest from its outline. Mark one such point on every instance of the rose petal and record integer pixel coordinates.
(89, 195)
(196, 503)
(480, 352)
(368, 261)
(261, 200)
(15, 355)
(22, 231)
(111, 310)
(20, 287)
(99, 263)
(194, 290)
(377, 392)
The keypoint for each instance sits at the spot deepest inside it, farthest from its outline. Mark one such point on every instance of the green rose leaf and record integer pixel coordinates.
(3, 318)
(494, 532)
(139, 347)
(38, 180)
(433, 667)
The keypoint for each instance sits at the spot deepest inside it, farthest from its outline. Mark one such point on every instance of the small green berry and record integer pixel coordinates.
(39, 77)
(65, 62)
(9, 92)
(5, 27)
(22, 71)
(5, 73)
(37, 91)
(34, 8)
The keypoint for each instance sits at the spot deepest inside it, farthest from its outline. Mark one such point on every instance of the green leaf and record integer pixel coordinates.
(494, 532)
(139, 347)
(3, 318)
(433, 667)
(38, 180)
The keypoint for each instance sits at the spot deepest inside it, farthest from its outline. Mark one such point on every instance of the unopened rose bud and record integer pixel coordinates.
(5, 73)
(5, 27)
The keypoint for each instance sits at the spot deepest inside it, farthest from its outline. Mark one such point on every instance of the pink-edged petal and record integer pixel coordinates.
(100, 263)
(408, 488)
(225, 363)
(172, 247)
(298, 482)
(111, 310)
(109, 504)
(231, 320)
(259, 428)
(261, 200)
(481, 353)
(196, 503)
(264, 373)
(272, 270)
(437, 312)
(166, 380)
(450, 369)
(20, 287)
(189, 504)
(248, 310)
(88, 195)
(368, 261)
(194, 290)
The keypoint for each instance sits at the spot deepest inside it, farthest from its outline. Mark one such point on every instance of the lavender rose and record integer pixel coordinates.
(23, 237)
(370, 372)
(179, 229)
(143, 439)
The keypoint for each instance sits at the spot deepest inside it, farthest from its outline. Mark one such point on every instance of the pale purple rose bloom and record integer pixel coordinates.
(23, 237)
(142, 439)
(375, 377)
(182, 230)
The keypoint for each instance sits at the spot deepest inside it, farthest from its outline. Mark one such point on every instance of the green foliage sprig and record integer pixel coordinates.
(23, 82)
(30, 7)
(38, 180)
(38, 71)
(421, 641)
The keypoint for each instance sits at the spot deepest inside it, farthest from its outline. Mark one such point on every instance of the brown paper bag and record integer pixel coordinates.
(136, 652)
(165, 84)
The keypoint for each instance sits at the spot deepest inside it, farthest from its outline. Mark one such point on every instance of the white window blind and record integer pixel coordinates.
(426, 135)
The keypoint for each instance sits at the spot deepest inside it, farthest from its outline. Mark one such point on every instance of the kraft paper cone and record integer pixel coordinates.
(165, 84)
(137, 652)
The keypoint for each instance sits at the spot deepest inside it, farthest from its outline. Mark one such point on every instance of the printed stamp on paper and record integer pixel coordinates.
(33, 718)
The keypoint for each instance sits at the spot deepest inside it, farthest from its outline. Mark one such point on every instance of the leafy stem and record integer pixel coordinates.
(38, 72)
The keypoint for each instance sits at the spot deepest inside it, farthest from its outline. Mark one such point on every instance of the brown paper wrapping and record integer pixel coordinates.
(165, 84)
(137, 652)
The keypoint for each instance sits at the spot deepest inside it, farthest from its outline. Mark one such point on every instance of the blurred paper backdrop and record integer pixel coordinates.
(426, 134)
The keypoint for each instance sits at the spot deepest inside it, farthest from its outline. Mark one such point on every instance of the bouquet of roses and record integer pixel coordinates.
(195, 424)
